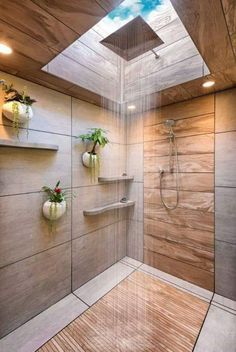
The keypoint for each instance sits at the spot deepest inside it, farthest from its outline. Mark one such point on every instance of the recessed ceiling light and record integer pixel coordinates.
(208, 84)
(4, 49)
(131, 107)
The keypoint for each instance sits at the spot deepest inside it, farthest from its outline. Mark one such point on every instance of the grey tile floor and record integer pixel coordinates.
(218, 333)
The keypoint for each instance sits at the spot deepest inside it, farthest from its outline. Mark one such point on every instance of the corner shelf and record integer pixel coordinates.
(27, 145)
(117, 205)
(115, 179)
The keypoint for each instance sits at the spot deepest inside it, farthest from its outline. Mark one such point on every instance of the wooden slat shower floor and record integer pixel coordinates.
(141, 314)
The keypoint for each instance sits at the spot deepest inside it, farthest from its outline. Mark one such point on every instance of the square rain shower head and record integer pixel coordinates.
(133, 39)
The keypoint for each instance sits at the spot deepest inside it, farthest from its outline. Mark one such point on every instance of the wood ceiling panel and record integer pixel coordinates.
(78, 15)
(25, 44)
(229, 7)
(205, 22)
(36, 22)
(109, 5)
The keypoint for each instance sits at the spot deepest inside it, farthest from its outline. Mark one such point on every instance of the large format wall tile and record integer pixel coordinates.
(135, 192)
(225, 271)
(112, 163)
(32, 285)
(135, 240)
(191, 273)
(134, 128)
(200, 144)
(92, 197)
(135, 161)
(198, 106)
(52, 111)
(24, 230)
(192, 126)
(226, 214)
(28, 170)
(225, 111)
(86, 116)
(225, 159)
(96, 251)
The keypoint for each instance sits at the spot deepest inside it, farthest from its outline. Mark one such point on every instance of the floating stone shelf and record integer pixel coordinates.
(115, 179)
(108, 207)
(27, 145)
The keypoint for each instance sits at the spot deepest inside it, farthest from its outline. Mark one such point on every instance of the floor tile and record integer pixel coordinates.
(196, 290)
(94, 289)
(33, 334)
(218, 333)
(225, 303)
(132, 262)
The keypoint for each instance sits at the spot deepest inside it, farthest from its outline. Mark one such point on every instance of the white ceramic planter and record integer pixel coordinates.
(54, 211)
(89, 160)
(25, 111)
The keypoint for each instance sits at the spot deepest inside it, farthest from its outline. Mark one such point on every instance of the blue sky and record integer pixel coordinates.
(133, 8)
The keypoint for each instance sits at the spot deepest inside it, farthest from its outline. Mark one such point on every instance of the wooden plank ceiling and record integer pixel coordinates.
(38, 30)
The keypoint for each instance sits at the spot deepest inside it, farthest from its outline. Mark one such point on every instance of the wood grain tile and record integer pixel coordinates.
(187, 181)
(182, 270)
(52, 110)
(34, 168)
(35, 234)
(183, 235)
(190, 108)
(92, 197)
(184, 127)
(38, 23)
(45, 275)
(135, 316)
(187, 163)
(202, 201)
(209, 34)
(200, 144)
(193, 256)
(185, 217)
(96, 251)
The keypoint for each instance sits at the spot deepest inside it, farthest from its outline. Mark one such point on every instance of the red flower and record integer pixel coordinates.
(57, 190)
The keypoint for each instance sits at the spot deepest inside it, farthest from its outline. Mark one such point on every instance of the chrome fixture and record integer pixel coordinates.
(173, 164)
(156, 55)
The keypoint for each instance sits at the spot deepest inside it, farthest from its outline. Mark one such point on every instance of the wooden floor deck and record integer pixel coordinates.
(141, 314)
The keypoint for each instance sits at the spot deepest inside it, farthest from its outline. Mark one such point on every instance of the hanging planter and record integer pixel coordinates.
(53, 210)
(55, 206)
(17, 107)
(91, 159)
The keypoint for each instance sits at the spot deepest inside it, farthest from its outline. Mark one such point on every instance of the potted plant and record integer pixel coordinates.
(98, 138)
(17, 106)
(55, 206)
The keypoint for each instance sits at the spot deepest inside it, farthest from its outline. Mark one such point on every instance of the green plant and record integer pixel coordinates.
(12, 95)
(96, 136)
(56, 195)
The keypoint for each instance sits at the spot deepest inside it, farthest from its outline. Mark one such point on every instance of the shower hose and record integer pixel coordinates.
(173, 156)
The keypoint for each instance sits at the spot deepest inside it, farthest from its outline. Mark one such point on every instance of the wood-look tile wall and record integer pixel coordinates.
(226, 194)
(181, 241)
(35, 263)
